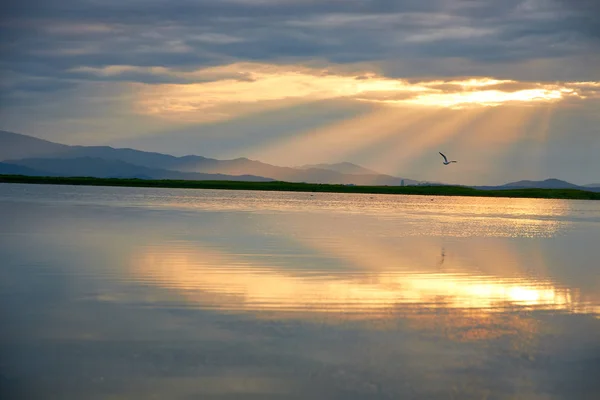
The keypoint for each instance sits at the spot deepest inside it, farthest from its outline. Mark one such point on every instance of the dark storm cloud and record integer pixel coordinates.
(41, 85)
(48, 39)
(587, 14)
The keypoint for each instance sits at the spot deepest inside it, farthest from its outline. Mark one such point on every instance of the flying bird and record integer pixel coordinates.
(446, 162)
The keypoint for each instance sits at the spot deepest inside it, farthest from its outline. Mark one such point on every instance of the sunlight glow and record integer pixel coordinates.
(223, 89)
(345, 138)
(440, 126)
(490, 97)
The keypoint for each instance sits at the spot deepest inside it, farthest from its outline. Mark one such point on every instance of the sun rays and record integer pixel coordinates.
(416, 139)
(402, 122)
(501, 129)
(343, 138)
(394, 140)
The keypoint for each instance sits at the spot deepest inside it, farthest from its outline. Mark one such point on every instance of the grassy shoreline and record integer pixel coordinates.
(573, 194)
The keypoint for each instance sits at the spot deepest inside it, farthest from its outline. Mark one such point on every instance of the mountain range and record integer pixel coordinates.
(545, 184)
(27, 155)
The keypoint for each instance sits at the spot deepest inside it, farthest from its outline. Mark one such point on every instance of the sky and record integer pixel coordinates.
(510, 89)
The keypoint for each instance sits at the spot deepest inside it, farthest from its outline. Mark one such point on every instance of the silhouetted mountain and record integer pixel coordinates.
(344, 168)
(27, 155)
(13, 169)
(546, 184)
(102, 168)
(312, 175)
(15, 146)
(131, 156)
(188, 164)
(592, 185)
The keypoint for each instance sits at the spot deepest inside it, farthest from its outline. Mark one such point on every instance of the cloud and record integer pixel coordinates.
(192, 34)
(226, 95)
(160, 74)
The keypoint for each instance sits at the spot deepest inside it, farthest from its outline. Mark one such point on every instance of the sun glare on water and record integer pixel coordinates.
(212, 280)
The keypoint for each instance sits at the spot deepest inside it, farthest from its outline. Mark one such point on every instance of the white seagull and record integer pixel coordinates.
(446, 162)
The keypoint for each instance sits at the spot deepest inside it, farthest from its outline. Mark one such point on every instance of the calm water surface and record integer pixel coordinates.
(130, 293)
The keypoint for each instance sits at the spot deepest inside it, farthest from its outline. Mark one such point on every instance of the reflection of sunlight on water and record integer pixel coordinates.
(338, 296)
(380, 275)
(420, 215)
(362, 203)
(208, 279)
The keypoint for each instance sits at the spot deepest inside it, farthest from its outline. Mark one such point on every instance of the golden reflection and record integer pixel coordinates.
(469, 326)
(367, 267)
(215, 280)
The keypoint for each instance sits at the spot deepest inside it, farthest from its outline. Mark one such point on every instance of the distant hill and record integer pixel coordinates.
(545, 184)
(311, 175)
(15, 145)
(12, 169)
(102, 168)
(192, 164)
(344, 168)
(27, 155)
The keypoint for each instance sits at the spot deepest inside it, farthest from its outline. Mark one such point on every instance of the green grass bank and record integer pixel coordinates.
(308, 187)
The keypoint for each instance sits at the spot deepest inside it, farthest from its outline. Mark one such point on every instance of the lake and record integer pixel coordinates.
(140, 293)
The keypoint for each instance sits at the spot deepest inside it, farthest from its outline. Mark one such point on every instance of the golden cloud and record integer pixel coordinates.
(230, 90)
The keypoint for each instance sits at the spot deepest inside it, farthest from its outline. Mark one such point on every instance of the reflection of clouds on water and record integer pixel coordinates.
(213, 280)
(463, 326)
(271, 297)
(372, 262)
